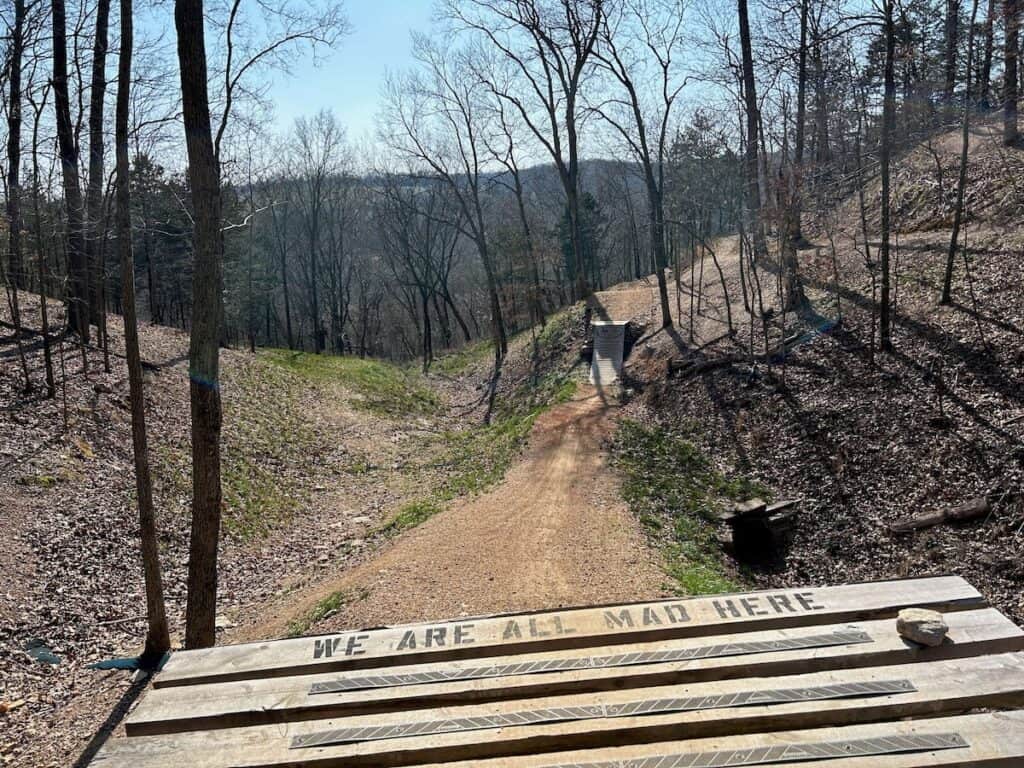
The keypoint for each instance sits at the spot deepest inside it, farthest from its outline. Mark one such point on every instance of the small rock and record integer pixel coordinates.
(922, 626)
(223, 622)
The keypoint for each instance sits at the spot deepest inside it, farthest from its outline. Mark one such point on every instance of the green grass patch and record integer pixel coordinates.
(461, 360)
(267, 445)
(261, 445)
(379, 387)
(557, 329)
(324, 609)
(410, 515)
(255, 499)
(38, 481)
(676, 492)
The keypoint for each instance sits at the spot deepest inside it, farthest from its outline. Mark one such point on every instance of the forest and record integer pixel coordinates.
(536, 152)
(728, 155)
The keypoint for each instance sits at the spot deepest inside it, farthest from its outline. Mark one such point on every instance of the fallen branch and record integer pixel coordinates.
(10, 706)
(972, 510)
(692, 367)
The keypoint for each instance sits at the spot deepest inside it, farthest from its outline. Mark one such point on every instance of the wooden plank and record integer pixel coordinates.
(223, 705)
(570, 628)
(944, 686)
(993, 741)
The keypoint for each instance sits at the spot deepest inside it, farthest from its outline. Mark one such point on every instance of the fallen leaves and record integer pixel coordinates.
(861, 443)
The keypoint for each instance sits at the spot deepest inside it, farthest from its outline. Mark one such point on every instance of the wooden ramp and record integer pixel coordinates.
(814, 677)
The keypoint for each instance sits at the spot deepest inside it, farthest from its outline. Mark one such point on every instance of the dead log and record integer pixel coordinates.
(695, 365)
(972, 510)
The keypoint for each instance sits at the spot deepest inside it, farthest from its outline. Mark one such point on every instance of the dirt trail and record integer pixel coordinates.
(555, 532)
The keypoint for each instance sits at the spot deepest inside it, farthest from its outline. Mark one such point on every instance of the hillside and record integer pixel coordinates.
(861, 438)
(360, 493)
(327, 463)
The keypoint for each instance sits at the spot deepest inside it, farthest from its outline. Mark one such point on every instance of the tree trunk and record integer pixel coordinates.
(17, 277)
(497, 321)
(318, 335)
(158, 640)
(750, 151)
(41, 257)
(428, 342)
(536, 300)
(952, 38)
(78, 294)
(573, 198)
(577, 266)
(17, 47)
(251, 258)
(961, 184)
(456, 314)
(822, 149)
(204, 363)
(657, 223)
(281, 234)
(796, 233)
(1011, 13)
(985, 78)
(888, 119)
(94, 188)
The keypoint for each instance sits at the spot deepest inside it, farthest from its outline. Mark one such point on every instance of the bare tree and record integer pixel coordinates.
(548, 48)
(78, 295)
(270, 40)
(279, 217)
(204, 341)
(753, 118)
(502, 146)
(41, 251)
(1011, 52)
(414, 218)
(95, 179)
(961, 185)
(317, 154)
(985, 78)
(16, 274)
(646, 35)
(951, 46)
(438, 120)
(158, 640)
(885, 160)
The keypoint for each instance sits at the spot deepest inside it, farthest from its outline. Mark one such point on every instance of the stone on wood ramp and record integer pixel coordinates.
(814, 677)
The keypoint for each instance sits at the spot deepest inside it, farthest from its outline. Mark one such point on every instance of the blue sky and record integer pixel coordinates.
(349, 79)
